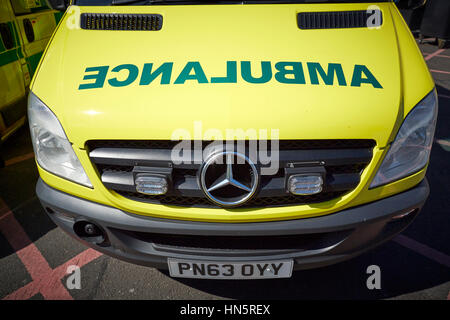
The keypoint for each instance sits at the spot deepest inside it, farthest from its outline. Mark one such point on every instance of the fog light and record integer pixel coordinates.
(305, 184)
(152, 185)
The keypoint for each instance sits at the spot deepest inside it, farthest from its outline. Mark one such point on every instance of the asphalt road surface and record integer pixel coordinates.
(35, 254)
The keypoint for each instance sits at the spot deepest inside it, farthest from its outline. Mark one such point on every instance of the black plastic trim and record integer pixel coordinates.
(162, 157)
(335, 19)
(121, 22)
(189, 187)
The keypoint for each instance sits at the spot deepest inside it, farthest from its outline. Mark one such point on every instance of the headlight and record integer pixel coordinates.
(411, 149)
(53, 151)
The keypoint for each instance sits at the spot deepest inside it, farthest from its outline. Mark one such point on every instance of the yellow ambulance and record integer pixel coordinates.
(232, 139)
(25, 29)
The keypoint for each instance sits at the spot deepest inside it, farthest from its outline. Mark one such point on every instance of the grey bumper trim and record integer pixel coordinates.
(342, 220)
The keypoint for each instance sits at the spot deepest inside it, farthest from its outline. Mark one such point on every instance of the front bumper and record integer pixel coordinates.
(321, 240)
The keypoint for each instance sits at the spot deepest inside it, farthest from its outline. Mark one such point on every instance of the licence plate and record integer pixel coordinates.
(230, 270)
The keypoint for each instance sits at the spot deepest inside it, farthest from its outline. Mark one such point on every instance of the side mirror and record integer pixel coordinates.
(60, 5)
(410, 4)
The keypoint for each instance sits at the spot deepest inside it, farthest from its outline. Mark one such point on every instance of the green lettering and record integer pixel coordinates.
(99, 78)
(327, 77)
(165, 70)
(198, 75)
(357, 78)
(133, 72)
(296, 70)
(266, 72)
(231, 74)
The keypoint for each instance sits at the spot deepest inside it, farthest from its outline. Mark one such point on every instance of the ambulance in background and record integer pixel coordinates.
(25, 29)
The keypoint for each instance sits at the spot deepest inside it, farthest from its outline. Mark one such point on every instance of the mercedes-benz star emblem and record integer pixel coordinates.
(229, 178)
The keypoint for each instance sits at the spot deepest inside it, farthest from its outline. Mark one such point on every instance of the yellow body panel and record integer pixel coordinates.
(213, 35)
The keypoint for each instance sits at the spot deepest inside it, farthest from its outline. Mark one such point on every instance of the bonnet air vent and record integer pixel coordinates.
(132, 22)
(339, 19)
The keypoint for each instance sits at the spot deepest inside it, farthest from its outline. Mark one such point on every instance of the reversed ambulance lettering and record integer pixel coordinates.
(283, 72)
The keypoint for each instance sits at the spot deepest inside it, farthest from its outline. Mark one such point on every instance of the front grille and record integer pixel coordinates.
(282, 144)
(343, 160)
(257, 202)
(113, 21)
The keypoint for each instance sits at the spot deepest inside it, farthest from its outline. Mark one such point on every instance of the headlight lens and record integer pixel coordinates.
(411, 149)
(53, 151)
